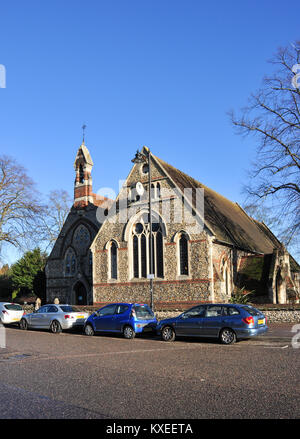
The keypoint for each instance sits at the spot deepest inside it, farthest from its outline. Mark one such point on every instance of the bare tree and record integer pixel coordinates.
(20, 206)
(273, 116)
(54, 216)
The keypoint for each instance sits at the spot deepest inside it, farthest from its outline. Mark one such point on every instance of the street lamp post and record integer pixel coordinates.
(140, 157)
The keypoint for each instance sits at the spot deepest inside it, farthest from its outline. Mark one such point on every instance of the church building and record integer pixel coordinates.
(197, 246)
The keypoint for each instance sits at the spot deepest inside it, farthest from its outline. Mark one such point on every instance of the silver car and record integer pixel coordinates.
(55, 318)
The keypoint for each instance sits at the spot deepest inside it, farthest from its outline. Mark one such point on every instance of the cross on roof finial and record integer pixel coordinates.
(83, 132)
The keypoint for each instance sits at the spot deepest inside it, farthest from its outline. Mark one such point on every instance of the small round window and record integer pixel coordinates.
(145, 168)
(139, 228)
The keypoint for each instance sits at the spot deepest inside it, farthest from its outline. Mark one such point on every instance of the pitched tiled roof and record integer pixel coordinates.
(228, 221)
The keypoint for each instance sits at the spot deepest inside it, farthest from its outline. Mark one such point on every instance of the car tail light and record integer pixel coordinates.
(67, 317)
(4, 312)
(249, 320)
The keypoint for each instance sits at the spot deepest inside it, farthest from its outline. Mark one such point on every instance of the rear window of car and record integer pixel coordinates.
(13, 307)
(143, 312)
(252, 311)
(68, 308)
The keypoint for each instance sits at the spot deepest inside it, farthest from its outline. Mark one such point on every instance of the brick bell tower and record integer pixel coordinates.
(83, 191)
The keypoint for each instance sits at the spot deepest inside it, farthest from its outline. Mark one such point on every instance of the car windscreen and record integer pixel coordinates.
(252, 311)
(68, 308)
(143, 312)
(13, 307)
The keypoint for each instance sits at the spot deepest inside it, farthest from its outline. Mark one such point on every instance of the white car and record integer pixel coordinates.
(10, 312)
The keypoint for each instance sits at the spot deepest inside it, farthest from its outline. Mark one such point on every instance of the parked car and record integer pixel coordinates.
(10, 312)
(55, 318)
(228, 322)
(125, 318)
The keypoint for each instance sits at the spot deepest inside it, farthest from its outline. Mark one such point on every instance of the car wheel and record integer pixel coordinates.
(227, 336)
(88, 330)
(23, 324)
(168, 334)
(55, 327)
(128, 332)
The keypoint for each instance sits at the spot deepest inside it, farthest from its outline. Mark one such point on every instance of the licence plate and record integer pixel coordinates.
(261, 322)
(16, 319)
(80, 317)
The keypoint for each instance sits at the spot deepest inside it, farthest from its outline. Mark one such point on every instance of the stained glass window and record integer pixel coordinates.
(113, 261)
(82, 237)
(183, 255)
(70, 262)
(141, 241)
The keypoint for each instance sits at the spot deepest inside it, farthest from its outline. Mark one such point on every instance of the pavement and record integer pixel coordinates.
(72, 376)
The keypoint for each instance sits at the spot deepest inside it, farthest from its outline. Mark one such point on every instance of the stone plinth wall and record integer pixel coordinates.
(273, 316)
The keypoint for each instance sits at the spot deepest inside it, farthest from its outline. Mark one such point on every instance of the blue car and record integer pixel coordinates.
(227, 322)
(128, 319)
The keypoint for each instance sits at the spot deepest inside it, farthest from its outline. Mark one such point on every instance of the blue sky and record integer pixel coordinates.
(159, 73)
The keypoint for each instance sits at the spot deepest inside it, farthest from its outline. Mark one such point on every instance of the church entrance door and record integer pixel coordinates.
(80, 294)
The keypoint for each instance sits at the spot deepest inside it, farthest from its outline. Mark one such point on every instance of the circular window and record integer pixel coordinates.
(139, 228)
(145, 168)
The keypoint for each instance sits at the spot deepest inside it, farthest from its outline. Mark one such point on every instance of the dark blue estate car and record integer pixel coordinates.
(126, 318)
(228, 322)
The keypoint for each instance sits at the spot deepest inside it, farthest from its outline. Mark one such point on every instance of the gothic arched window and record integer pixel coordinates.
(81, 238)
(113, 260)
(90, 269)
(226, 276)
(183, 254)
(157, 190)
(141, 241)
(70, 262)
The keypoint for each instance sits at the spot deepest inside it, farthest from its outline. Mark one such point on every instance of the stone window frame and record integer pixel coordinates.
(108, 247)
(143, 251)
(142, 165)
(89, 263)
(176, 239)
(71, 259)
(81, 247)
(128, 237)
(156, 190)
(225, 272)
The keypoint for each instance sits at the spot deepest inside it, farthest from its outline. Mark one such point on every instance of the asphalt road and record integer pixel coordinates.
(72, 376)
